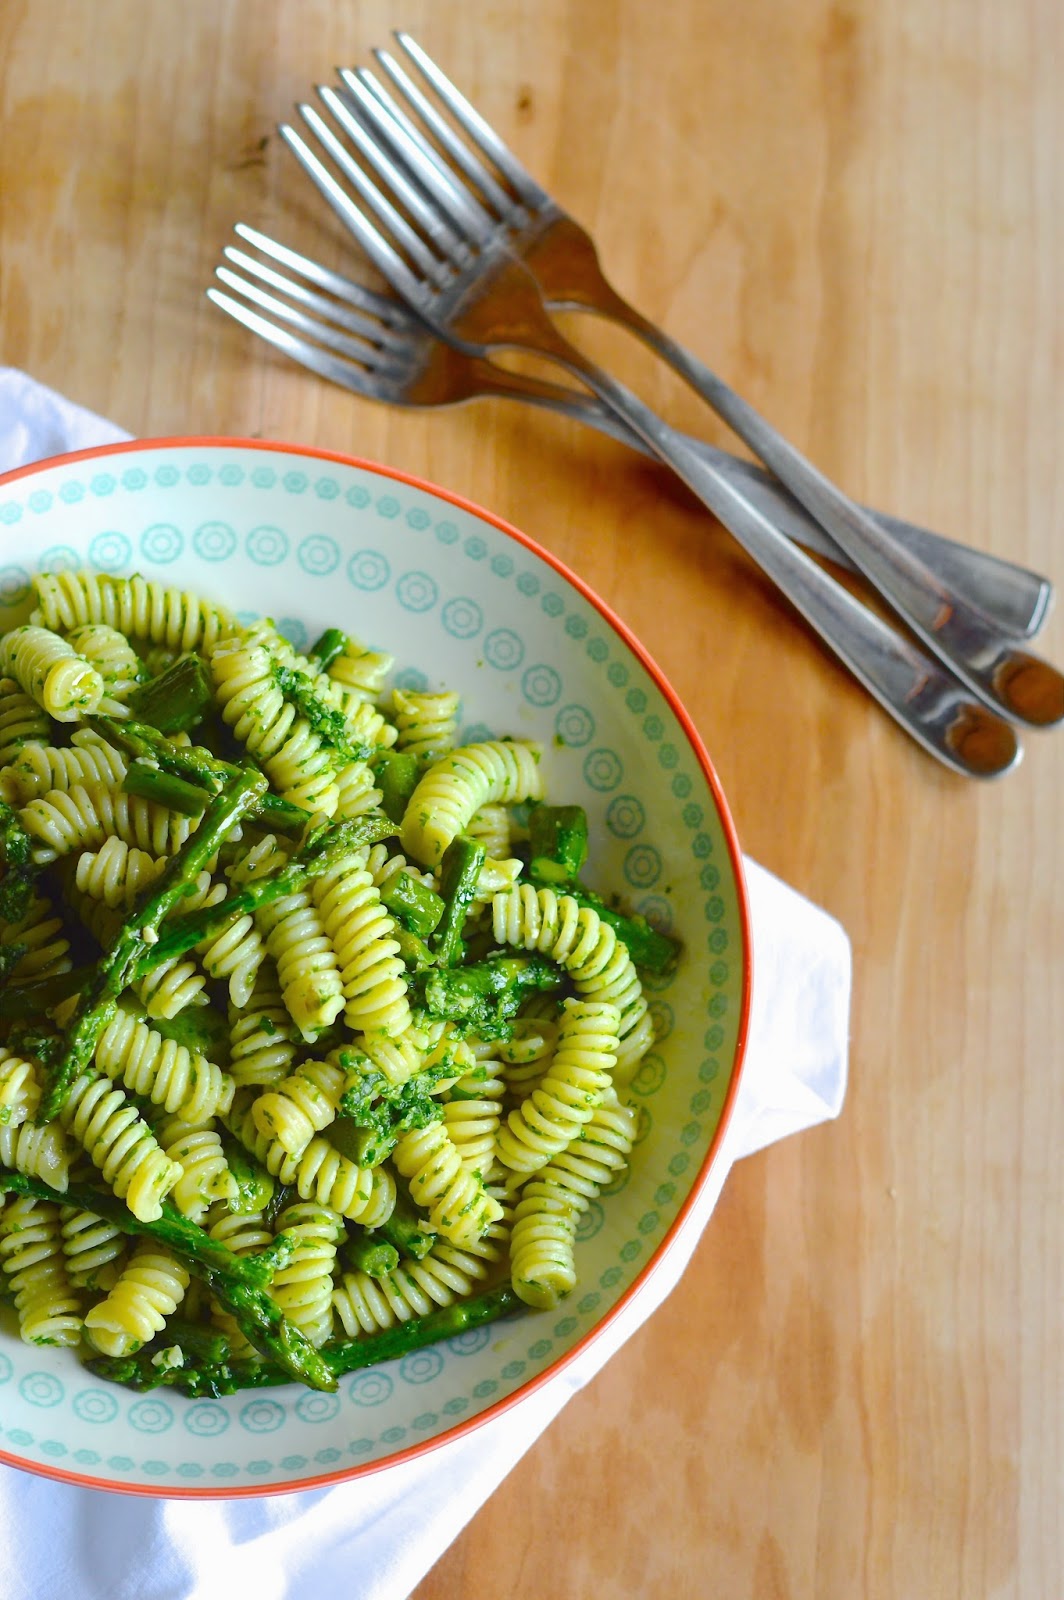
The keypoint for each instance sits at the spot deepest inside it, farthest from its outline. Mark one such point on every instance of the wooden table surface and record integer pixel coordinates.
(855, 212)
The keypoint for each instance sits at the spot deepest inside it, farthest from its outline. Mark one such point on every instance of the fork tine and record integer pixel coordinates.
(311, 356)
(357, 348)
(342, 315)
(481, 132)
(382, 306)
(387, 260)
(438, 229)
(504, 204)
(378, 107)
(401, 231)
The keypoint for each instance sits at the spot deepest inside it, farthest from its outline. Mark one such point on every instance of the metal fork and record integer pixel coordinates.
(487, 301)
(394, 358)
(467, 285)
(361, 334)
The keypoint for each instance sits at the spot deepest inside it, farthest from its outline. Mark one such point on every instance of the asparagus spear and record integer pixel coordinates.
(165, 789)
(339, 1356)
(238, 1283)
(177, 699)
(324, 847)
(185, 1238)
(195, 766)
(459, 872)
(115, 968)
(349, 1354)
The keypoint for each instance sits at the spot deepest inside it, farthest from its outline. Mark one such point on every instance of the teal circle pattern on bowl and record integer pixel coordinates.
(461, 601)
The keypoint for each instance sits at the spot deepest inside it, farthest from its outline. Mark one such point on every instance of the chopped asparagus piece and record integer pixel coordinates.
(174, 793)
(397, 773)
(332, 643)
(365, 1252)
(414, 904)
(557, 842)
(460, 869)
(177, 699)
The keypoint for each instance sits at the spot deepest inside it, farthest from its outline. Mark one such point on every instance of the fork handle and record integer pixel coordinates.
(1014, 597)
(961, 635)
(925, 699)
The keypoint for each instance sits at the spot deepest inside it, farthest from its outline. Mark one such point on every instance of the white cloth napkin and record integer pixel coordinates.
(358, 1541)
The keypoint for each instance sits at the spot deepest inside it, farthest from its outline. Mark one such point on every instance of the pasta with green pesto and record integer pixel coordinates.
(379, 1038)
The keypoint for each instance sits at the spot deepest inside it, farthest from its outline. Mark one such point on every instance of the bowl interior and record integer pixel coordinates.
(460, 601)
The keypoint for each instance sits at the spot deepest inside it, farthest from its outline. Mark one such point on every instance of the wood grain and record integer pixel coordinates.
(855, 212)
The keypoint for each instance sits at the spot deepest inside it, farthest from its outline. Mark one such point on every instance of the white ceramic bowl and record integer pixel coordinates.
(462, 600)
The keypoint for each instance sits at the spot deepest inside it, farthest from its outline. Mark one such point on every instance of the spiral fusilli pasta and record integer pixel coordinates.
(301, 1105)
(205, 1176)
(263, 1039)
(472, 1111)
(161, 1070)
(251, 702)
(22, 721)
(36, 946)
(456, 1201)
(149, 1288)
(83, 817)
(20, 1089)
(448, 1273)
(550, 1204)
(114, 658)
(38, 1151)
(577, 937)
(31, 1253)
(63, 683)
(320, 1173)
(361, 932)
(455, 788)
(427, 723)
(303, 1288)
(120, 1144)
(577, 1080)
(140, 609)
(95, 1249)
(37, 768)
(361, 671)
